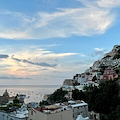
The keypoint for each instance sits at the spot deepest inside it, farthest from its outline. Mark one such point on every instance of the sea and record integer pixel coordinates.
(34, 93)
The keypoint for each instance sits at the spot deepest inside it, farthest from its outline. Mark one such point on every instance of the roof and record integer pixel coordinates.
(81, 118)
(20, 114)
(38, 109)
(77, 105)
(71, 101)
(52, 107)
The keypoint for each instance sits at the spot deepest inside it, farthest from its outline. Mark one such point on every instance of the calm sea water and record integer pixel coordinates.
(32, 92)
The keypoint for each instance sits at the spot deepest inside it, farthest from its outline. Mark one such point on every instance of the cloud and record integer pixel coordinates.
(59, 55)
(92, 19)
(3, 56)
(43, 64)
(12, 34)
(82, 55)
(12, 77)
(99, 51)
(40, 64)
(109, 3)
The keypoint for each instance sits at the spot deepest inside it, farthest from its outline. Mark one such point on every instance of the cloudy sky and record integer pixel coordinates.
(46, 41)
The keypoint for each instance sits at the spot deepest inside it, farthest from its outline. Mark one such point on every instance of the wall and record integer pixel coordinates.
(81, 110)
(64, 115)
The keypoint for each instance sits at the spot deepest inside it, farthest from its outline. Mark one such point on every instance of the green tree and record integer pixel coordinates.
(94, 78)
(78, 95)
(104, 99)
(57, 96)
(16, 100)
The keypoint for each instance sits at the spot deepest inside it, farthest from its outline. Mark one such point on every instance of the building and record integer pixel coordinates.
(68, 88)
(69, 82)
(5, 98)
(62, 111)
(19, 114)
(108, 74)
(47, 114)
(82, 78)
(80, 109)
(81, 118)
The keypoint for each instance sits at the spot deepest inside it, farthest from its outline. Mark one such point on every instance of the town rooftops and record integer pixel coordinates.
(71, 102)
(58, 107)
(81, 118)
(52, 107)
(38, 109)
(20, 114)
(77, 105)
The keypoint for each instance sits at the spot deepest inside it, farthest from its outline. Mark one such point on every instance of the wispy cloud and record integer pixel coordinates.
(33, 61)
(3, 56)
(94, 18)
(99, 51)
(109, 3)
(43, 64)
(12, 77)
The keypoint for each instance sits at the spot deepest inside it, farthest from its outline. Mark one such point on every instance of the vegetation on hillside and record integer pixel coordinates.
(102, 68)
(57, 96)
(104, 100)
(117, 55)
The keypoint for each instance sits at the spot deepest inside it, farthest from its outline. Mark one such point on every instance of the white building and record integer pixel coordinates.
(62, 111)
(80, 109)
(20, 114)
(68, 88)
(87, 84)
(54, 114)
(82, 79)
(81, 118)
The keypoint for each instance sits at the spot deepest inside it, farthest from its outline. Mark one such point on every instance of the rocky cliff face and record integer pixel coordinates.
(110, 59)
(114, 51)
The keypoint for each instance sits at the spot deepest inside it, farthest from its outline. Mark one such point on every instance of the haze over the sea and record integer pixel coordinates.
(34, 93)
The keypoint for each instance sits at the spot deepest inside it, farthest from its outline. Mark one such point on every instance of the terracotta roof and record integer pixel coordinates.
(39, 108)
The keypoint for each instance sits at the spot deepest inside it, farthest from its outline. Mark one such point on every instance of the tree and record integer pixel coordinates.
(116, 56)
(16, 100)
(78, 95)
(102, 68)
(104, 99)
(57, 96)
(94, 78)
(117, 70)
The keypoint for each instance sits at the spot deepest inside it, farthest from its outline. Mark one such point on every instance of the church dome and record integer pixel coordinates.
(6, 94)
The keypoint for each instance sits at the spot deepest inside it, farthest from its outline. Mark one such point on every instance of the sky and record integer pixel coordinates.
(43, 42)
